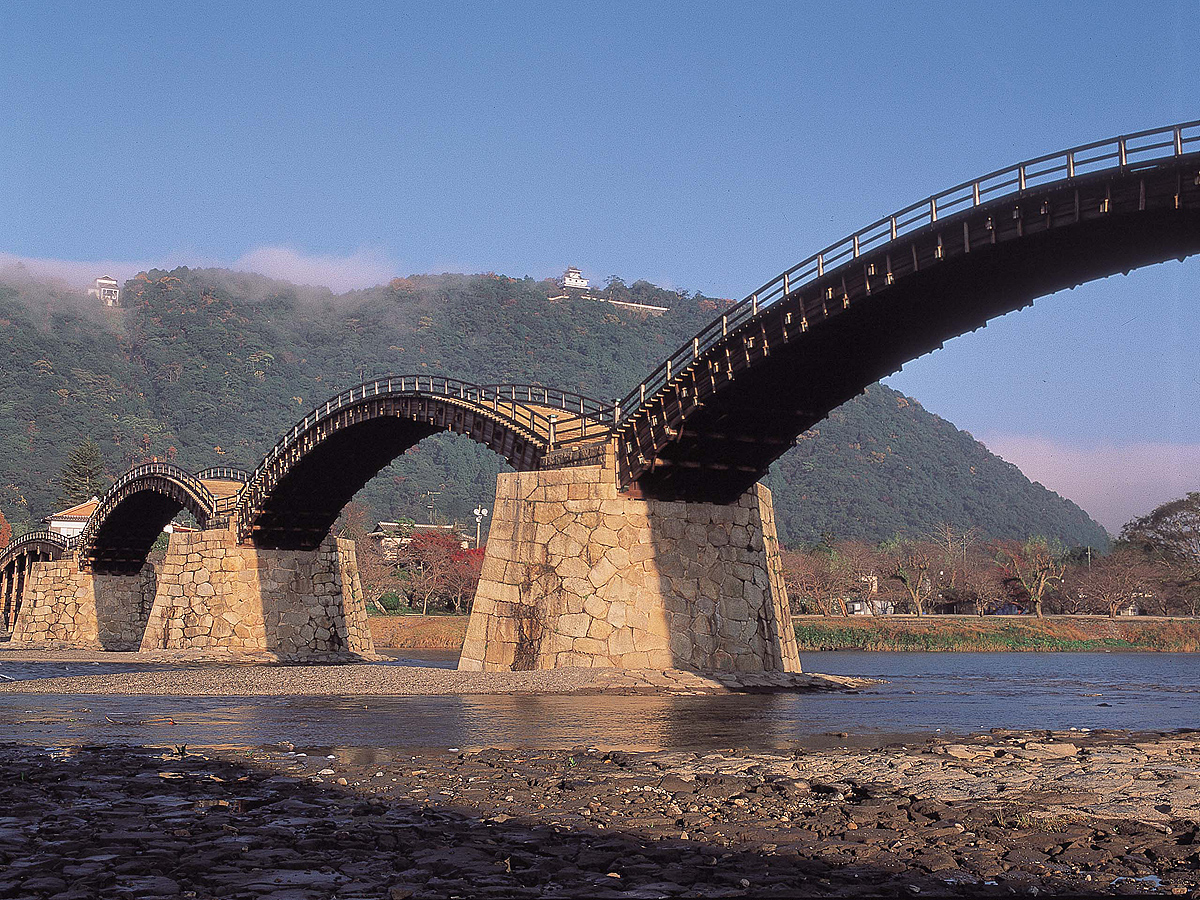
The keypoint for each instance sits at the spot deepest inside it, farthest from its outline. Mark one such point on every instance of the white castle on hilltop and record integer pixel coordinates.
(573, 280)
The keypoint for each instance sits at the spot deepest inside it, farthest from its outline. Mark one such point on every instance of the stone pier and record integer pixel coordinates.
(208, 594)
(64, 605)
(578, 574)
(214, 594)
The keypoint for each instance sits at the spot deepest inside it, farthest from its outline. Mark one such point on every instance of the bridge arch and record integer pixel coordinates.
(16, 566)
(133, 513)
(293, 497)
(709, 421)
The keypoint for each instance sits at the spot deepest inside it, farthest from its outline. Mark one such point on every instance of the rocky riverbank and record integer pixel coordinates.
(999, 813)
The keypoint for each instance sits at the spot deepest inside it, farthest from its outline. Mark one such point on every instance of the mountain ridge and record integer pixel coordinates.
(208, 367)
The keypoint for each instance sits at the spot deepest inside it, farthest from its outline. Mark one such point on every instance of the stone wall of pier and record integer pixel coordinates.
(216, 595)
(208, 595)
(62, 604)
(578, 574)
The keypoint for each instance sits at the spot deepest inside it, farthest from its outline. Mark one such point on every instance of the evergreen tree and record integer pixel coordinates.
(83, 475)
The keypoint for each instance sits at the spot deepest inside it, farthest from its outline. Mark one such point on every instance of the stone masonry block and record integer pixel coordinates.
(664, 566)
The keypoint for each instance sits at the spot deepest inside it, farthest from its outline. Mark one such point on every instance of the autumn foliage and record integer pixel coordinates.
(1153, 570)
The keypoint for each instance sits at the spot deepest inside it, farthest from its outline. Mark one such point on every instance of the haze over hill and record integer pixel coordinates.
(209, 367)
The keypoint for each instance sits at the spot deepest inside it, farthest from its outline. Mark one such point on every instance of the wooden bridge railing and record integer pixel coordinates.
(38, 536)
(223, 473)
(113, 496)
(521, 403)
(1123, 153)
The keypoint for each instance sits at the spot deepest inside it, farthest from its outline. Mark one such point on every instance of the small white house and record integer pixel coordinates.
(106, 290)
(70, 522)
(573, 278)
(872, 607)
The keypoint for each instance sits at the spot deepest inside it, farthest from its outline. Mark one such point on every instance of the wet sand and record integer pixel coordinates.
(1057, 814)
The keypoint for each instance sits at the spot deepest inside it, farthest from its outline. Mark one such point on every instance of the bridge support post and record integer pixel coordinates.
(214, 595)
(578, 574)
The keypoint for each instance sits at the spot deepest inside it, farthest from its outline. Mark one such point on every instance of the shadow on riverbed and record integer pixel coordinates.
(114, 822)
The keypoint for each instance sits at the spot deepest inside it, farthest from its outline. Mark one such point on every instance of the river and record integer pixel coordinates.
(925, 693)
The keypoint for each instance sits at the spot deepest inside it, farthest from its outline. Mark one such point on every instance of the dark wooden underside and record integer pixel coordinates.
(719, 425)
(304, 491)
(123, 540)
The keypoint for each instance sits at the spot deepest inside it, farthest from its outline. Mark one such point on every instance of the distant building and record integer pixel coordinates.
(106, 290)
(394, 536)
(873, 607)
(70, 522)
(573, 278)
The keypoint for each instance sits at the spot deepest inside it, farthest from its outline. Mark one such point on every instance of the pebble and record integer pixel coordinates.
(585, 822)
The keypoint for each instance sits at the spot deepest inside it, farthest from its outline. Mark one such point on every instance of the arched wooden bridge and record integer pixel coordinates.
(292, 498)
(708, 422)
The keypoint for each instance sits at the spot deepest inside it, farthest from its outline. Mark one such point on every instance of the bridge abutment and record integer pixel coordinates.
(578, 574)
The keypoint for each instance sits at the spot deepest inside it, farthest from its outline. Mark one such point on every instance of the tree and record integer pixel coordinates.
(82, 477)
(5, 531)
(376, 572)
(1113, 583)
(853, 572)
(429, 559)
(981, 582)
(1170, 535)
(805, 574)
(463, 577)
(914, 567)
(1031, 569)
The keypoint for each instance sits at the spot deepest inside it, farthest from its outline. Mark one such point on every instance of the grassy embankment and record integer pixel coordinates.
(419, 632)
(969, 633)
(941, 633)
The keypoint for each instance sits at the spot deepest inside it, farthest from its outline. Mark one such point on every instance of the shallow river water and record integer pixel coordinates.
(925, 693)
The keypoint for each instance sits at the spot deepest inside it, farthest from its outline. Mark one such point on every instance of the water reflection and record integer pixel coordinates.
(926, 692)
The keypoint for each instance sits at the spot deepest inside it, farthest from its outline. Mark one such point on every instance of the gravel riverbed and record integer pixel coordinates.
(994, 814)
(205, 680)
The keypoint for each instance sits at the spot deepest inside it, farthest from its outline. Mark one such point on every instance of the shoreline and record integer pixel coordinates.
(897, 633)
(998, 812)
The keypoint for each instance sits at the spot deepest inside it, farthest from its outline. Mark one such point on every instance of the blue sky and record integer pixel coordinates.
(701, 146)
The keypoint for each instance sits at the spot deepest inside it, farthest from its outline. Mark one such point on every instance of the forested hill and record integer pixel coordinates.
(209, 367)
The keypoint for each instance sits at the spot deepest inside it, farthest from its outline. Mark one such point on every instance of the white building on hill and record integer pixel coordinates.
(573, 278)
(106, 290)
